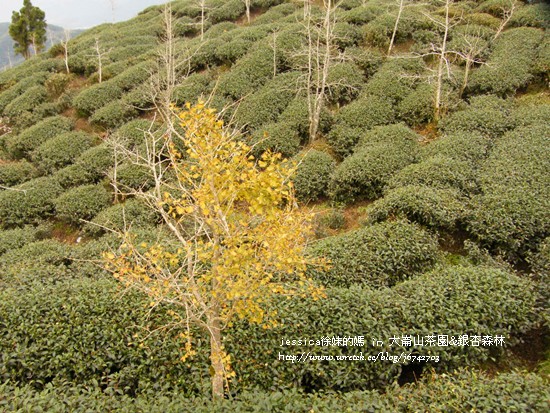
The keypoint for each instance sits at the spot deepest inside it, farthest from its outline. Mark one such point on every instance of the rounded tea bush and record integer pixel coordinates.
(278, 137)
(96, 96)
(343, 138)
(14, 173)
(30, 202)
(432, 207)
(313, 175)
(471, 147)
(62, 150)
(366, 112)
(31, 138)
(345, 81)
(381, 153)
(297, 116)
(379, 255)
(82, 202)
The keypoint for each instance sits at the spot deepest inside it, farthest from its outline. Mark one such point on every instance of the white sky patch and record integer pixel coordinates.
(79, 14)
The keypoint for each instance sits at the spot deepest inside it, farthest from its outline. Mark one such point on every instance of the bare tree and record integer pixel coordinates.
(320, 55)
(65, 45)
(401, 7)
(100, 55)
(507, 13)
(247, 6)
(468, 48)
(203, 8)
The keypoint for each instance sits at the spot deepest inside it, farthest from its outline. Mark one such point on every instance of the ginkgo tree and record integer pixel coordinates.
(240, 234)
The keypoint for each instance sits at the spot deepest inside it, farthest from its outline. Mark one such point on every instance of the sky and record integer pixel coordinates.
(80, 14)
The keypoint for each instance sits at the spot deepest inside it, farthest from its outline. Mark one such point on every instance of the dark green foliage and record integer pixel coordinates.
(131, 176)
(437, 172)
(368, 60)
(28, 29)
(268, 102)
(471, 147)
(278, 137)
(248, 74)
(12, 92)
(534, 15)
(85, 332)
(418, 106)
(73, 175)
(31, 138)
(433, 207)
(42, 252)
(510, 65)
(380, 255)
(57, 84)
(32, 201)
(471, 390)
(62, 150)
(192, 88)
(487, 114)
(96, 161)
(26, 102)
(343, 138)
(14, 173)
(229, 50)
(313, 175)
(531, 114)
(134, 75)
(347, 35)
(367, 112)
(82, 203)
(133, 132)
(362, 14)
(512, 212)
(345, 81)
(12, 239)
(297, 116)
(380, 154)
(226, 10)
(96, 96)
(132, 213)
(395, 79)
(113, 114)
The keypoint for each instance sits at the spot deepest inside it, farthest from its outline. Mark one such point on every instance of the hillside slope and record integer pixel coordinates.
(428, 168)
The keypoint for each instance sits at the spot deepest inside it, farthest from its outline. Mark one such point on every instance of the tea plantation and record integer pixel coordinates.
(421, 140)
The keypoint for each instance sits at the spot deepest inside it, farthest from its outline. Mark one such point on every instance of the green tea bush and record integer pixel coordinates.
(476, 391)
(368, 60)
(343, 138)
(313, 175)
(483, 19)
(134, 75)
(43, 252)
(26, 102)
(380, 154)
(250, 72)
(466, 300)
(265, 105)
(57, 84)
(275, 14)
(140, 98)
(487, 114)
(132, 213)
(278, 137)
(345, 81)
(133, 132)
(296, 115)
(192, 88)
(82, 203)
(62, 150)
(395, 79)
(433, 207)
(14, 173)
(366, 112)
(510, 213)
(16, 238)
(113, 114)
(531, 114)
(96, 161)
(96, 96)
(135, 177)
(437, 172)
(362, 14)
(83, 331)
(380, 255)
(31, 138)
(417, 107)
(18, 89)
(510, 65)
(231, 50)
(534, 15)
(226, 10)
(471, 147)
(347, 35)
(29, 203)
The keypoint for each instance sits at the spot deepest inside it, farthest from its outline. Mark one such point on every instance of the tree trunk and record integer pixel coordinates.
(216, 355)
(395, 27)
(466, 76)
